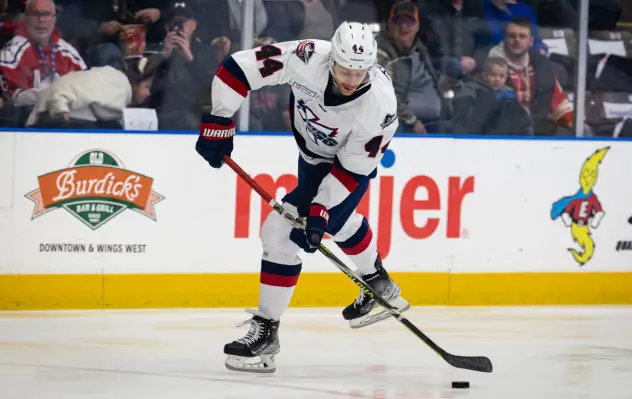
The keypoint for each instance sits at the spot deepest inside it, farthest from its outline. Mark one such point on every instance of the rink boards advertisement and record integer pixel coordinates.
(141, 220)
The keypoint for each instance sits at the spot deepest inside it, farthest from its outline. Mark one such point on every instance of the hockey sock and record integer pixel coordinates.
(361, 248)
(276, 287)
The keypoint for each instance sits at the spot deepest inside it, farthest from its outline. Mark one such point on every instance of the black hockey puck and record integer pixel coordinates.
(460, 384)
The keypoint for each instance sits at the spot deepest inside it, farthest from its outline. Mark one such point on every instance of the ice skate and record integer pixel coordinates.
(365, 311)
(255, 352)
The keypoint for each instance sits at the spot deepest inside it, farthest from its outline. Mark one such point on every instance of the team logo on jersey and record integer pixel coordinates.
(582, 211)
(316, 131)
(305, 50)
(388, 120)
(95, 188)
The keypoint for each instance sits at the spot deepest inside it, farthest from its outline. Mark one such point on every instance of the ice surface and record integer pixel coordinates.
(538, 353)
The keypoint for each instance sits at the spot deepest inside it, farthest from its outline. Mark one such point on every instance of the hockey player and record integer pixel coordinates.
(343, 113)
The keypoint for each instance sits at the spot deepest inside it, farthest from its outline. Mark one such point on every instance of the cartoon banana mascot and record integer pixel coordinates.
(583, 210)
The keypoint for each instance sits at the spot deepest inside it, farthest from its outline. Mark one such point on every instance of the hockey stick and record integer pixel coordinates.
(475, 363)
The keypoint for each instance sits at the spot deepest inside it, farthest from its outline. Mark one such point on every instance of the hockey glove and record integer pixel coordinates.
(310, 238)
(216, 139)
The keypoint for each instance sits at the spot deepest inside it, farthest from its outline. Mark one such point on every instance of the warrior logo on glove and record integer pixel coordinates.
(216, 139)
(217, 134)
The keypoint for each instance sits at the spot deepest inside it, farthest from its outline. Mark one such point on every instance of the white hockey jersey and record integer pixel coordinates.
(350, 132)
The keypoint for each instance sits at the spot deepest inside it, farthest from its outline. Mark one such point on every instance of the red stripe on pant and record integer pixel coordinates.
(361, 246)
(277, 280)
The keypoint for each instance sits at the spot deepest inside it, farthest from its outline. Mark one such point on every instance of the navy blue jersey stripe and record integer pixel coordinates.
(231, 66)
(279, 269)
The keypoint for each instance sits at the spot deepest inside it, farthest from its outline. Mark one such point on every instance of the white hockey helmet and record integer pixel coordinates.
(353, 46)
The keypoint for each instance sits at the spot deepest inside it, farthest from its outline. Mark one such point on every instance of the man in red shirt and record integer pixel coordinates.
(534, 79)
(36, 56)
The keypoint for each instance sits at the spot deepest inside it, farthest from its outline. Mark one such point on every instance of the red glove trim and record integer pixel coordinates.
(317, 210)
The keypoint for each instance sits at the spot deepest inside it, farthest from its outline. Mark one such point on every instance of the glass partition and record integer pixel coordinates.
(492, 67)
(459, 67)
(609, 66)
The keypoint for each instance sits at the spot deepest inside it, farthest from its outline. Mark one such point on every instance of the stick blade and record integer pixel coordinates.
(475, 363)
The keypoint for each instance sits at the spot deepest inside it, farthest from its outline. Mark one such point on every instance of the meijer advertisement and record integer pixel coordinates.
(110, 204)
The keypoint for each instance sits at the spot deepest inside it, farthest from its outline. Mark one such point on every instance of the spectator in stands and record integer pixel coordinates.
(216, 29)
(533, 78)
(486, 105)
(435, 35)
(222, 25)
(456, 24)
(106, 19)
(268, 105)
(415, 80)
(181, 90)
(499, 13)
(301, 19)
(94, 98)
(83, 34)
(35, 57)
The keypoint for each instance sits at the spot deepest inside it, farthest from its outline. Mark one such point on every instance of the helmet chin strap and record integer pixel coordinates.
(335, 87)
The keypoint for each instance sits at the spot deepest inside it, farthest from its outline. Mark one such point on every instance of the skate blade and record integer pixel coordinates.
(379, 313)
(256, 364)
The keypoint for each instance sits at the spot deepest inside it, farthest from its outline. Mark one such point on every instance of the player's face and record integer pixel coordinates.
(348, 80)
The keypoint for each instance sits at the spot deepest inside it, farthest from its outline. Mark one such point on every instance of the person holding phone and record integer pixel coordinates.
(182, 89)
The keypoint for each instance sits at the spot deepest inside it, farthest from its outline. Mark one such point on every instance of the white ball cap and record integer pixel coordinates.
(353, 46)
